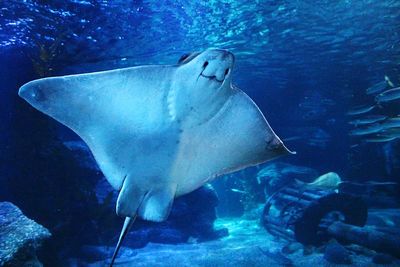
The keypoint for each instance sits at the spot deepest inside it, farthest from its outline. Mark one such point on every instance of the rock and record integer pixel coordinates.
(166, 235)
(308, 250)
(105, 193)
(336, 253)
(381, 258)
(170, 235)
(378, 195)
(360, 250)
(292, 248)
(20, 237)
(82, 154)
(93, 253)
(198, 208)
(320, 249)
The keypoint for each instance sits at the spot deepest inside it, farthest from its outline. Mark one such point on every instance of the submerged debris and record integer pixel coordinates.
(336, 253)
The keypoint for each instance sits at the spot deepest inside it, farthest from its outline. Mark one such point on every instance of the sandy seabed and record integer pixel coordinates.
(243, 247)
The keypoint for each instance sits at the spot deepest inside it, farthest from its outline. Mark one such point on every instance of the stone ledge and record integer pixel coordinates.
(20, 237)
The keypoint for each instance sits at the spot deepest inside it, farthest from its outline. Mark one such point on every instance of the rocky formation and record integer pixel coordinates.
(20, 237)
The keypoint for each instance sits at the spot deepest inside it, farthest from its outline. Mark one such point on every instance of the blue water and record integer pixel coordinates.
(305, 64)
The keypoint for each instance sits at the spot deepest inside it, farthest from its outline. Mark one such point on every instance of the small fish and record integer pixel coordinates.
(393, 133)
(389, 95)
(374, 128)
(327, 181)
(368, 120)
(376, 88)
(388, 81)
(379, 139)
(393, 130)
(360, 110)
(391, 123)
(238, 191)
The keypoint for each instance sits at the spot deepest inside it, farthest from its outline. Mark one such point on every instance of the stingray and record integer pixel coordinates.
(160, 131)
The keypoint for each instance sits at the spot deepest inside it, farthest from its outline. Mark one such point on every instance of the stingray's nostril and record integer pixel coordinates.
(226, 72)
(205, 64)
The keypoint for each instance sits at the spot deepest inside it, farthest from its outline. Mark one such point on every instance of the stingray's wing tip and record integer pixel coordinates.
(287, 150)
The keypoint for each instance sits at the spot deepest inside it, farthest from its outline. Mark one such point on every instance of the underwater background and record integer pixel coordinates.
(318, 70)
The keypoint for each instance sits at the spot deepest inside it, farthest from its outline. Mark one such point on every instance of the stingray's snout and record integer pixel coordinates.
(217, 64)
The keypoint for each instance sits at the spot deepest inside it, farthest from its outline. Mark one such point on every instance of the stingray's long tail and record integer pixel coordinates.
(125, 230)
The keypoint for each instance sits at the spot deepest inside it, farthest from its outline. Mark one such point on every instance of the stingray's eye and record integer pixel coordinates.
(185, 56)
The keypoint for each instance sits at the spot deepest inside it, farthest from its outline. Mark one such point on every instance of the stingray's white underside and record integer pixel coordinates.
(149, 140)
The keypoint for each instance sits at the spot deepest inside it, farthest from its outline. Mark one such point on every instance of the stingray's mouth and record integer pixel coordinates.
(213, 78)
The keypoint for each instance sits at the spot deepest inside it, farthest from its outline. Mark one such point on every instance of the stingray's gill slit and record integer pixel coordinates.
(143, 151)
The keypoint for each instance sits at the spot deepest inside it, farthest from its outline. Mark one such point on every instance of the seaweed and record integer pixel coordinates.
(45, 56)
